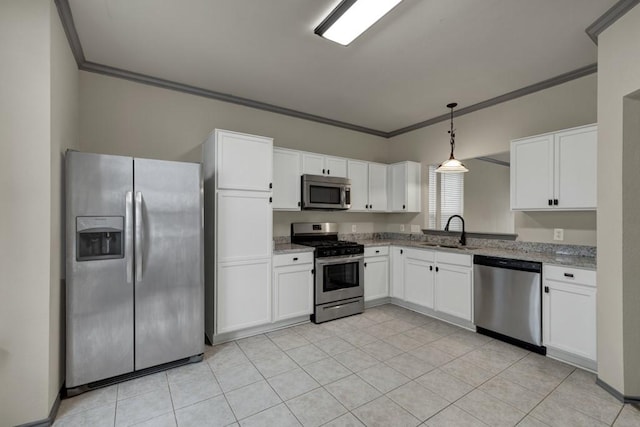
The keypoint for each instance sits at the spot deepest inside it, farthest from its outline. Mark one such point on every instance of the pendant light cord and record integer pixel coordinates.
(453, 135)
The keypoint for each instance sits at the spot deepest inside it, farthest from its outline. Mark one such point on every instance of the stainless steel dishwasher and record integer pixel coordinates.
(508, 300)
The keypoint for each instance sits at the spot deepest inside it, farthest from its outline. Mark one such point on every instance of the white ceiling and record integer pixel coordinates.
(404, 70)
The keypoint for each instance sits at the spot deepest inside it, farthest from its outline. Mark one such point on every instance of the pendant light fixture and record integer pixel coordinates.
(452, 165)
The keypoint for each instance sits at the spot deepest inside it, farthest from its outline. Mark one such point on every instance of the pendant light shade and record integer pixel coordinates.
(452, 165)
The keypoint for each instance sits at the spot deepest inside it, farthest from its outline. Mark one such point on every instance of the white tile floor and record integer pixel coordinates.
(386, 367)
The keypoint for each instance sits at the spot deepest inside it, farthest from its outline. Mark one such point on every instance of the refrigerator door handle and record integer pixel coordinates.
(139, 233)
(128, 234)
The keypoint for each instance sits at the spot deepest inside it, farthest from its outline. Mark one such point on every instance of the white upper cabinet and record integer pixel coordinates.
(286, 179)
(318, 164)
(404, 187)
(368, 186)
(556, 171)
(576, 162)
(238, 171)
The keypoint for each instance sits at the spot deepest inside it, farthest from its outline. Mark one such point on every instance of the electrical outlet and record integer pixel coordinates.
(353, 228)
(401, 227)
(415, 228)
(558, 234)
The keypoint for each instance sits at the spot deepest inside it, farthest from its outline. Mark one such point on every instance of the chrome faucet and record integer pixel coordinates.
(463, 236)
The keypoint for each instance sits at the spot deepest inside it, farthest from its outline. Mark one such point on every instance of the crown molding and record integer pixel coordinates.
(609, 17)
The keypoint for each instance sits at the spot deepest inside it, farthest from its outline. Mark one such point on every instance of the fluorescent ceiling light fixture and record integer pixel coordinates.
(352, 18)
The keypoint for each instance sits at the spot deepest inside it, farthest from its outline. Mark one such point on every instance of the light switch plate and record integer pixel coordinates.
(558, 234)
(353, 228)
(415, 228)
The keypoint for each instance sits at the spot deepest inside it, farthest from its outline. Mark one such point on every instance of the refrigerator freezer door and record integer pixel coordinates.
(169, 289)
(99, 313)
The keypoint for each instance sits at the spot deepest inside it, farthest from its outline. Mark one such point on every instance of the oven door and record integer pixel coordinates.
(323, 194)
(339, 278)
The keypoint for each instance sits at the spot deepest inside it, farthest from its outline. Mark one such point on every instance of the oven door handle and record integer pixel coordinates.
(340, 260)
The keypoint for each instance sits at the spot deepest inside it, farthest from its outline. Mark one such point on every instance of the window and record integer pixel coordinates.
(446, 198)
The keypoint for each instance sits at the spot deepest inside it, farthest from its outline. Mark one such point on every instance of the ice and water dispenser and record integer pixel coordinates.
(99, 237)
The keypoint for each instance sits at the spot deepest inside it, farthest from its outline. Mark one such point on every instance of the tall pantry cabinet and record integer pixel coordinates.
(238, 228)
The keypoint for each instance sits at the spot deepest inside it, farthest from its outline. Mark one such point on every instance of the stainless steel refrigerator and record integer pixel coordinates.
(134, 270)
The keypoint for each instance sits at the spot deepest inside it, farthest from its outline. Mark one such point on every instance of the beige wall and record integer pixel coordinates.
(38, 106)
(64, 135)
(121, 117)
(24, 225)
(490, 130)
(618, 206)
(486, 198)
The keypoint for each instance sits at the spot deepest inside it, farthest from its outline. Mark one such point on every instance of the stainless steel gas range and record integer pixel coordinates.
(339, 270)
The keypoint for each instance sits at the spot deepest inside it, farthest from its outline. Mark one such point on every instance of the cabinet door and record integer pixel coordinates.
(397, 272)
(453, 291)
(243, 296)
(292, 291)
(376, 278)
(377, 187)
(576, 163)
(244, 161)
(418, 282)
(336, 166)
(313, 164)
(286, 180)
(398, 187)
(569, 318)
(532, 173)
(243, 226)
(359, 176)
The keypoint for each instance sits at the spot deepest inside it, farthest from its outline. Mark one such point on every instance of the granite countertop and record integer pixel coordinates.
(290, 248)
(547, 258)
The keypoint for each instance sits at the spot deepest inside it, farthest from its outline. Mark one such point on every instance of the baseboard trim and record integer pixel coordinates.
(46, 422)
(256, 330)
(376, 302)
(572, 359)
(615, 393)
(435, 314)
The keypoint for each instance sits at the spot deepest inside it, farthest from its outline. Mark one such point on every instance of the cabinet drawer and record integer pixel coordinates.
(420, 254)
(293, 258)
(570, 275)
(376, 251)
(462, 260)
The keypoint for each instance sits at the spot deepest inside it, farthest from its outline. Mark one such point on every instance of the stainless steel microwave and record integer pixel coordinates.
(326, 192)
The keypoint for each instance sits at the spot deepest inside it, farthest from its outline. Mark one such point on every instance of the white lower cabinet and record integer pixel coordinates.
(419, 277)
(376, 273)
(454, 285)
(292, 285)
(396, 287)
(243, 295)
(569, 314)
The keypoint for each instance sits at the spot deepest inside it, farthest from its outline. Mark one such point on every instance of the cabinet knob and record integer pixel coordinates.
(546, 289)
(569, 275)
(328, 172)
(401, 251)
(404, 206)
(370, 206)
(298, 203)
(365, 264)
(431, 268)
(270, 199)
(555, 202)
(377, 252)
(550, 202)
(271, 185)
(366, 206)
(323, 171)
(295, 258)
(437, 269)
